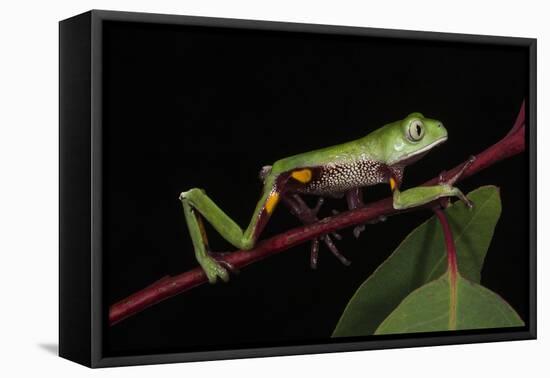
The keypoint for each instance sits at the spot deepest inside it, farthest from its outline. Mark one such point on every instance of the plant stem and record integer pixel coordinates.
(513, 143)
(452, 266)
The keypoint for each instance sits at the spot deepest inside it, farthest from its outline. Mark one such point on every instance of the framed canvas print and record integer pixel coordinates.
(234, 188)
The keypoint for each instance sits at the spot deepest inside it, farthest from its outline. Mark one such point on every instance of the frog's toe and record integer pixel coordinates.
(357, 230)
(468, 203)
(314, 256)
(214, 270)
(220, 259)
(332, 247)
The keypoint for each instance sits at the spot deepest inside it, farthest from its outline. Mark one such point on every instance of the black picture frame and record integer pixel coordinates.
(81, 309)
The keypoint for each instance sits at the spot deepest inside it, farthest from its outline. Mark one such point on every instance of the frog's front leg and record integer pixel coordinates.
(354, 198)
(196, 205)
(424, 194)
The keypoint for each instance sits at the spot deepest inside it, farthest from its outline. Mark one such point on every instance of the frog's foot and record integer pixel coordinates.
(458, 175)
(220, 259)
(452, 180)
(356, 230)
(307, 216)
(214, 268)
(314, 257)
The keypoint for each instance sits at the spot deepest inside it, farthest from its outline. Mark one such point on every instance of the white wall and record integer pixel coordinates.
(28, 185)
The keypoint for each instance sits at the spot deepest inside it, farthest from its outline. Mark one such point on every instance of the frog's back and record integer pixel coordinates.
(340, 154)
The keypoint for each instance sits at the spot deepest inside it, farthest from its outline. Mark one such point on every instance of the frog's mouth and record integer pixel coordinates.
(417, 155)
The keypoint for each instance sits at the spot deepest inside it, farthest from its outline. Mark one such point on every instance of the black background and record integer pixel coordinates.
(208, 107)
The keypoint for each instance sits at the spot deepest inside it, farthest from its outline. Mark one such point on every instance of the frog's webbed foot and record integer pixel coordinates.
(216, 267)
(213, 269)
(360, 228)
(452, 180)
(314, 257)
(308, 215)
(356, 230)
(220, 259)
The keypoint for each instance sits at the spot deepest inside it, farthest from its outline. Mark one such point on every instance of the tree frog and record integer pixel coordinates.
(379, 157)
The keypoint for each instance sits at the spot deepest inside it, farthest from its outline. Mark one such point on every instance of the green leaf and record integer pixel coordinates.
(421, 258)
(437, 307)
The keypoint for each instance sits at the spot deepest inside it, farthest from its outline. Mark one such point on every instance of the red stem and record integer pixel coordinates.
(452, 265)
(520, 119)
(513, 143)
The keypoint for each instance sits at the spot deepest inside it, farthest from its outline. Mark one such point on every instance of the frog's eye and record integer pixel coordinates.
(416, 130)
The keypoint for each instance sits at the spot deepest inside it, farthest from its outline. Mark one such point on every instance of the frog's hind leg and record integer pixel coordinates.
(197, 205)
(308, 215)
(211, 267)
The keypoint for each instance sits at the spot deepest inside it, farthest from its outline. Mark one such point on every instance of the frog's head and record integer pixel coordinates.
(406, 141)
